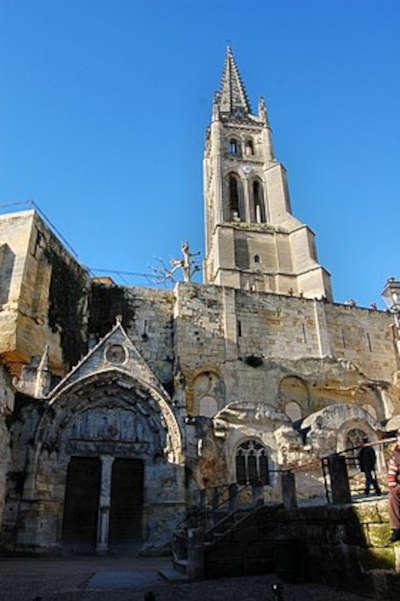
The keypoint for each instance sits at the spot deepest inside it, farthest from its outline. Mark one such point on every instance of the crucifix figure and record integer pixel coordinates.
(188, 266)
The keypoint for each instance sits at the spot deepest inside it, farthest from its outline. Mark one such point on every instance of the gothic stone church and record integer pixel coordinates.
(118, 404)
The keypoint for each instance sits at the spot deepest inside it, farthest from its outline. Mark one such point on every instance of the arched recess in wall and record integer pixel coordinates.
(257, 201)
(234, 198)
(234, 147)
(354, 439)
(354, 436)
(208, 394)
(293, 411)
(370, 400)
(90, 391)
(249, 147)
(293, 392)
(371, 410)
(351, 433)
(251, 463)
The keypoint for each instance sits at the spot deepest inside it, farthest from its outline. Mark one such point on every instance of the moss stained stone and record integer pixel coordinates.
(376, 558)
(67, 305)
(383, 511)
(367, 513)
(105, 303)
(378, 534)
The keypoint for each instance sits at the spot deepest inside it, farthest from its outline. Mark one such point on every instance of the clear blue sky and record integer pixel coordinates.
(104, 106)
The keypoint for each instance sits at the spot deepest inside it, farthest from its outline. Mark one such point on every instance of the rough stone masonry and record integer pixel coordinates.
(118, 404)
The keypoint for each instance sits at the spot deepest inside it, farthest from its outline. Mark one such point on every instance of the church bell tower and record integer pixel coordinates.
(253, 241)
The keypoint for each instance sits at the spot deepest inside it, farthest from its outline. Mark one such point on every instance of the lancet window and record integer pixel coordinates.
(252, 463)
(249, 148)
(235, 198)
(233, 147)
(258, 202)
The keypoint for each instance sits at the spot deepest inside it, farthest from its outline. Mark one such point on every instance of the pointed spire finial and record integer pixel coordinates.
(233, 92)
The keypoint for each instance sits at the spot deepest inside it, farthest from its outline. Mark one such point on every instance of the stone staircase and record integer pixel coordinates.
(344, 546)
(215, 523)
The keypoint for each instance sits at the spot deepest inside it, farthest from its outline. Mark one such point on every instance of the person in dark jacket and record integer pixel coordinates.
(367, 462)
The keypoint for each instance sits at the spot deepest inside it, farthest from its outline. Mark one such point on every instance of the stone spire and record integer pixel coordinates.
(253, 241)
(233, 94)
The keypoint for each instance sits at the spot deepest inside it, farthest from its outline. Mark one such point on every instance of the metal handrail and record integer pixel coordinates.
(206, 510)
(229, 515)
(199, 491)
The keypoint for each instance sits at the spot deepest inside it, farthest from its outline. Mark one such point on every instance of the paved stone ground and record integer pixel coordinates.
(97, 579)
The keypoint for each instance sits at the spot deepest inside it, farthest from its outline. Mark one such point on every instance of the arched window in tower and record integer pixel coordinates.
(252, 463)
(234, 147)
(258, 202)
(249, 148)
(235, 198)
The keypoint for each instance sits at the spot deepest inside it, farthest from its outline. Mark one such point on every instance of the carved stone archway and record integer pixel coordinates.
(106, 415)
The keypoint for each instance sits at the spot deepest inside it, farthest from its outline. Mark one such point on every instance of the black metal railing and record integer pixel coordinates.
(343, 478)
(213, 507)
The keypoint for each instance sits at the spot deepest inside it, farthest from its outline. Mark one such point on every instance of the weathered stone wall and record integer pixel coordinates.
(246, 365)
(222, 328)
(152, 329)
(110, 406)
(257, 362)
(6, 409)
(22, 431)
(45, 285)
(364, 337)
(344, 546)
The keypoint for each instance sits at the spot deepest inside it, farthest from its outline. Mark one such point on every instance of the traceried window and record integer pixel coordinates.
(258, 202)
(252, 463)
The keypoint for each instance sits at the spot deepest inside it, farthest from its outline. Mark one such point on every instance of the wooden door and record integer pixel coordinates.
(126, 501)
(82, 500)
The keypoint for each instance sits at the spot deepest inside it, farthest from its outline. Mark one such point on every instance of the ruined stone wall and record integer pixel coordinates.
(15, 231)
(46, 298)
(22, 425)
(6, 408)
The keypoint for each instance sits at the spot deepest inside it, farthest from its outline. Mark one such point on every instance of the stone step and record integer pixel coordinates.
(180, 565)
(173, 575)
